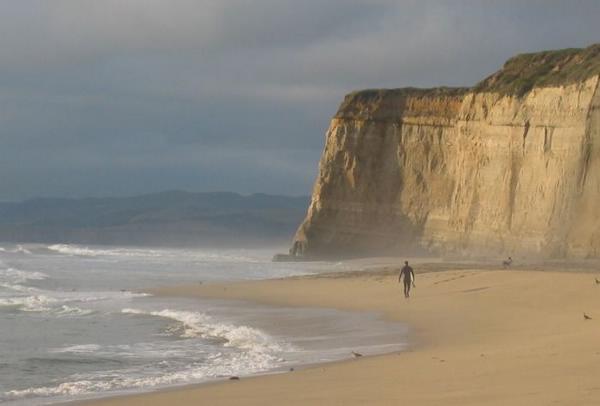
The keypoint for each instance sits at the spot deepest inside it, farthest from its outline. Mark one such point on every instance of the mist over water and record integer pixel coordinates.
(75, 325)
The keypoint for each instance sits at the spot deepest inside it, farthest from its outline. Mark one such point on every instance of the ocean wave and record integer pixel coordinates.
(14, 280)
(65, 310)
(60, 303)
(201, 325)
(18, 288)
(36, 303)
(78, 250)
(145, 350)
(245, 351)
(42, 303)
(215, 365)
(197, 255)
(18, 276)
(19, 249)
(66, 388)
(75, 250)
(86, 296)
(90, 386)
(78, 349)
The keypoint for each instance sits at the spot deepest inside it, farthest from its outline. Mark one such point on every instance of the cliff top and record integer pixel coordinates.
(523, 72)
(368, 95)
(518, 76)
(384, 104)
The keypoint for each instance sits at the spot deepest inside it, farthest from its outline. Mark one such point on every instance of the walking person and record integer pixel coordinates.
(409, 278)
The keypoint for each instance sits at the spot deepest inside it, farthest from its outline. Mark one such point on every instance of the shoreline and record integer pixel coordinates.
(460, 320)
(126, 395)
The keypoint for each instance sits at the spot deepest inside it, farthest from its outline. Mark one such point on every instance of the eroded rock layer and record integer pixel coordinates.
(511, 166)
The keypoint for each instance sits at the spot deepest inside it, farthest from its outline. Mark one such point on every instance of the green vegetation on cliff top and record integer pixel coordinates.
(441, 91)
(523, 72)
(518, 76)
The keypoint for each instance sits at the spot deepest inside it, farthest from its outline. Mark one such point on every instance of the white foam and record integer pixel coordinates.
(216, 365)
(196, 255)
(78, 349)
(22, 250)
(77, 250)
(88, 386)
(42, 303)
(19, 249)
(18, 288)
(206, 347)
(86, 297)
(13, 280)
(73, 250)
(65, 310)
(30, 299)
(19, 276)
(201, 325)
(245, 351)
(36, 303)
(67, 388)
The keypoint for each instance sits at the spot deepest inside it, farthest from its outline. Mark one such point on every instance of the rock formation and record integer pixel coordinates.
(511, 165)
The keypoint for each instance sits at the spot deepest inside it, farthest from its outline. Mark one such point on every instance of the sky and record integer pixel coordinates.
(123, 97)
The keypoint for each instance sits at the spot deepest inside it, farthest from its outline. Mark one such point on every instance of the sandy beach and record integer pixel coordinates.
(478, 336)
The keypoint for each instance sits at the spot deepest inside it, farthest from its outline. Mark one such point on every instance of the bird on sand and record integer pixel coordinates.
(597, 281)
(356, 354)
(586, 317)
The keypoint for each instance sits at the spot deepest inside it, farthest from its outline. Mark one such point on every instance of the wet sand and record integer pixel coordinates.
(493, 337)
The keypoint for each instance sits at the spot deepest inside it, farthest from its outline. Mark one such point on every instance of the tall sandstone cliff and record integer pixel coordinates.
(510, 166)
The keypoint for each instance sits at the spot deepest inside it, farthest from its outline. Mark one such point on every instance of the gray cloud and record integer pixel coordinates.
(127, 96)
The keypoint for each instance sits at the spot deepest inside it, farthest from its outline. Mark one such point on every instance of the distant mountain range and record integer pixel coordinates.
(167, 218)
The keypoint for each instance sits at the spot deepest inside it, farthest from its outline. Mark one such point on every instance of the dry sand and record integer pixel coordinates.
(492, 337)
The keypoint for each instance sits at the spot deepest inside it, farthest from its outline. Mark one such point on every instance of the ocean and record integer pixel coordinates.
(74, 324)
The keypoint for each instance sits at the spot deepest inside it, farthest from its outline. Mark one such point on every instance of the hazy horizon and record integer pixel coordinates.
(165, 191)
(173, 218)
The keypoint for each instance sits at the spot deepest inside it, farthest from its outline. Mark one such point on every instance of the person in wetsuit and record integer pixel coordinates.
(409, 278)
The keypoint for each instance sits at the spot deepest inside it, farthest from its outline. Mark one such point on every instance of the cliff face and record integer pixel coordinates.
(511, 166)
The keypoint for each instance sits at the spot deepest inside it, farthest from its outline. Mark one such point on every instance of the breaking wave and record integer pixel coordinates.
(15, 294)
(59, 303)
(194, 324)
(14, 279)
(18, 276)
(244, 350)
(75, 250)
(199, 255)
(19, 249)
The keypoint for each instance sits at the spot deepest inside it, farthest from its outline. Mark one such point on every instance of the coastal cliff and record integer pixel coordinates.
(509, 166)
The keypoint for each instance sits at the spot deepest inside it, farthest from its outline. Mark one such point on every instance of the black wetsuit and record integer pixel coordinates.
(409, 277)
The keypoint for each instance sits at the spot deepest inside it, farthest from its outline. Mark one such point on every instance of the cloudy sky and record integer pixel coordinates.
(120, 97)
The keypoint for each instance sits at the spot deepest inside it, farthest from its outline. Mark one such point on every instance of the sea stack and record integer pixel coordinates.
(509, 166)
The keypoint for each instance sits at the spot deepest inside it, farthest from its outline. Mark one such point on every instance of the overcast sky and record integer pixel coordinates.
(120, 97)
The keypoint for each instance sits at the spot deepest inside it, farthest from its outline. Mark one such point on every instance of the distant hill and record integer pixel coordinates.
(167, 218)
